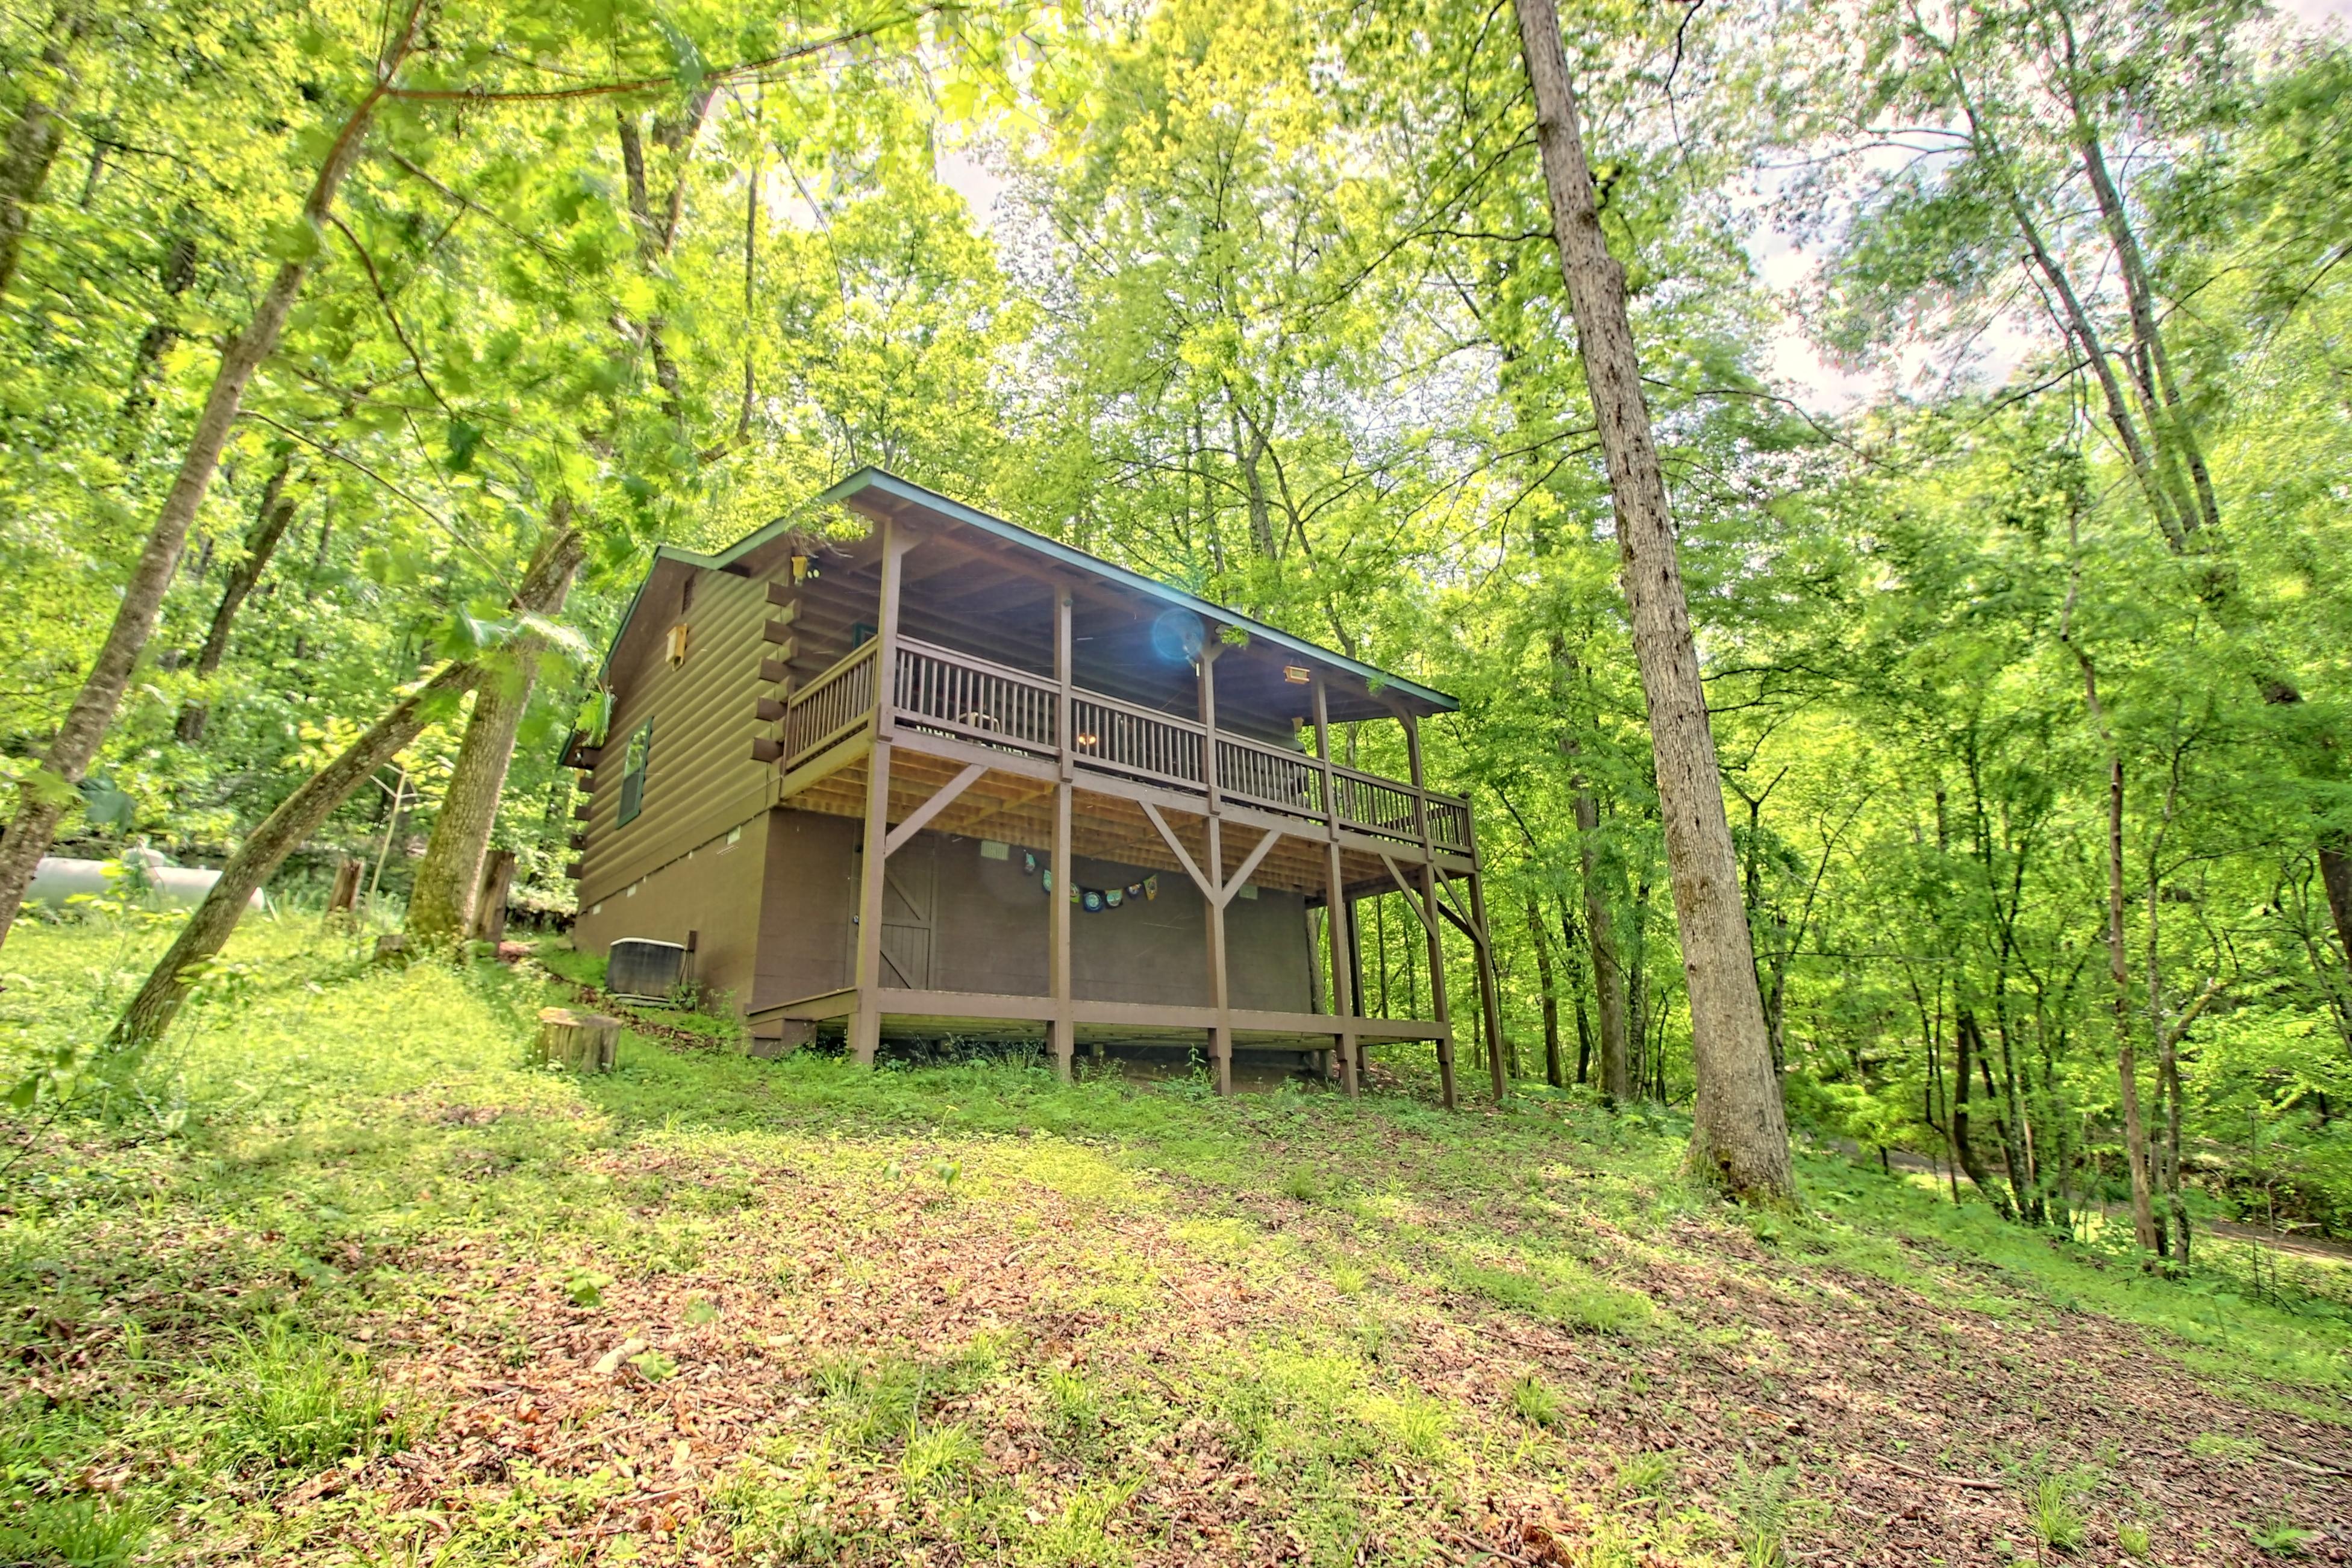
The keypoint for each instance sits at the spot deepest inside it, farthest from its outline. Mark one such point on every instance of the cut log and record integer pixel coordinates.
(585, 1042)
(490, 904)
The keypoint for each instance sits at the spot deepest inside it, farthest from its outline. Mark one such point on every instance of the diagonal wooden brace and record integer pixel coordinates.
(1226, 894)
(1183, 856)
(1411, 897)
(922, 814)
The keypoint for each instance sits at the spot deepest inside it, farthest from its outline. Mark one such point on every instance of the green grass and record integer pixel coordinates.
(235, 1268)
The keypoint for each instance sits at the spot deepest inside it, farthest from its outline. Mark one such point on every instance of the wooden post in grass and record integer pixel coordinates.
(345, 897)
(586, 1042)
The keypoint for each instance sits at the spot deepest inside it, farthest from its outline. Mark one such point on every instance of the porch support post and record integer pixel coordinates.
(865, 1023)
(1057, 963)
(1063, 1030)
(1221, 1034)
(1428, 912)
(1336, 914)
(1437, 983)
(1340, 919)
(1489, 1005)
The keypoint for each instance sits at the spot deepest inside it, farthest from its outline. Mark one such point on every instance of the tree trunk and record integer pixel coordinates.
(1555, 1069)
(490, 908)
(2153, 365)
(2143, 1203)
(278, 509)
(2335, 877)
(297, 817)
(345, 896)
(1969, 1042)
(42, 799)
(32, 143)
(1739, 1136)
(1608, 976)
(449, 877)
(1583, 1020)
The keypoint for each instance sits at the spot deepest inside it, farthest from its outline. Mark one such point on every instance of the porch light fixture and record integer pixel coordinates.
(800, 567)
(1296, 674)
(1085, 739)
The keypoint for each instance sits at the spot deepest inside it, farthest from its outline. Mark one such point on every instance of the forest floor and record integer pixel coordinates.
(336, 1276)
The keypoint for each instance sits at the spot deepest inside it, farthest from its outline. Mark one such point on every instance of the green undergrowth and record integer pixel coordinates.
(200, 1252)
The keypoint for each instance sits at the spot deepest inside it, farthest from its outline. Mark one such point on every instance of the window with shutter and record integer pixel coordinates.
(632, 774)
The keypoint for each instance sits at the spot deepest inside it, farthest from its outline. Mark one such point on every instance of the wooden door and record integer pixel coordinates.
(909, 898)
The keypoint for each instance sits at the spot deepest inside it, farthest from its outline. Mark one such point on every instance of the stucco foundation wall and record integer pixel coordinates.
(810, 893)
(988, 923)
(714, 892)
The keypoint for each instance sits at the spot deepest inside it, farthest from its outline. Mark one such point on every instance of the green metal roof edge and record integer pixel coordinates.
(872, 478)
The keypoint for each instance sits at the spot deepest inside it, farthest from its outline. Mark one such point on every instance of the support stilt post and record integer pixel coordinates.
(1221, 1034)
(1062, 1031)
(1338, 917)
(865, 1023)
(1438, 1009)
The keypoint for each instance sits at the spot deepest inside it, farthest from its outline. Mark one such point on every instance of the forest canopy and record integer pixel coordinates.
(1997, 354)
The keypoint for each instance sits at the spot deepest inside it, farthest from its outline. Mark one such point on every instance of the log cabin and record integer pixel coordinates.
(918, 772)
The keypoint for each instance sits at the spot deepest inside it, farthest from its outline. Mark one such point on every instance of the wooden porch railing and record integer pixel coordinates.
(1285, 781)
(973, 699)
(1120, 737)
(830, 706)
(959, 694)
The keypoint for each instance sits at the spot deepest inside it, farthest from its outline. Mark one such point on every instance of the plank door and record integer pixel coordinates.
(910, 881)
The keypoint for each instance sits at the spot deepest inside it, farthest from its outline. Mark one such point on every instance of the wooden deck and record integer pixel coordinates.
(953, 713)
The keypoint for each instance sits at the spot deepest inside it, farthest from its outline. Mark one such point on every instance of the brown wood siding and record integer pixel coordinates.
(700, 779)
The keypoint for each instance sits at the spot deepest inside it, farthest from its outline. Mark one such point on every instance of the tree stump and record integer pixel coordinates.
(585, 1042)
(345, 897)
(490, 906)
(390, 948)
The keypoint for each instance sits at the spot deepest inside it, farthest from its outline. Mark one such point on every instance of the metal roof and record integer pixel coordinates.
(869, 482)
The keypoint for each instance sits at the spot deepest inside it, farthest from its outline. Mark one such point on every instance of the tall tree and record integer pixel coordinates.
(1739, 1136)
(441, 902)
(36, 133)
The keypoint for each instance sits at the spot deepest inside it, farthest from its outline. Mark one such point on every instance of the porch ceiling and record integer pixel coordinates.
(1018, 808)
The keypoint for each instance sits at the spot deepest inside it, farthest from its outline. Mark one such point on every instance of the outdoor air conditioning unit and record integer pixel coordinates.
(644, 970)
